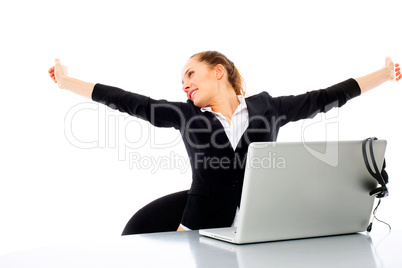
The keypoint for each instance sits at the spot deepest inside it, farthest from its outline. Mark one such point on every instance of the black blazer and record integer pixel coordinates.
(217, 169)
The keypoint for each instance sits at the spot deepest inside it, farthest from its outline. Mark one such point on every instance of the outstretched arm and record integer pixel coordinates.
(59, 76)
(389, 72)
(160, 113)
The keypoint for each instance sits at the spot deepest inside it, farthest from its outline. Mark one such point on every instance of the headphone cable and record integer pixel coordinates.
(369, 227)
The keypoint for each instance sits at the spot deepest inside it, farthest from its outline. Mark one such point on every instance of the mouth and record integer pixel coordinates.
(191, 94)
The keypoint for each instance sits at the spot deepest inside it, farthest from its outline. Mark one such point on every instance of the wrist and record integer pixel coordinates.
(383, 75)
(77, 86)
(62, 81)
(389, 73)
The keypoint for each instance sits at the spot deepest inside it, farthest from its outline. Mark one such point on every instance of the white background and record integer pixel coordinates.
(52, 189)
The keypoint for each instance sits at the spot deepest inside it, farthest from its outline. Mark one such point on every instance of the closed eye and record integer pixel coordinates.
(188, 74)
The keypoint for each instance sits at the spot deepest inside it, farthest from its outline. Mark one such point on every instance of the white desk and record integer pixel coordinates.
(188, 249)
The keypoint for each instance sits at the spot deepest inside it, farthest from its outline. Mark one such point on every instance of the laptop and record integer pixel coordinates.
(298, 190)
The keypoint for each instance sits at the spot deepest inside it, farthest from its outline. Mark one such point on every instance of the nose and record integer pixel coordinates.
(186, 86)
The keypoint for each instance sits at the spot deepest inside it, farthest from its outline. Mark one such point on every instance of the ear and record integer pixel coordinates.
(219, 71)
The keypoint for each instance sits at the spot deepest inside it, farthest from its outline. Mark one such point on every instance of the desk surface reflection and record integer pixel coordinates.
(188, 249)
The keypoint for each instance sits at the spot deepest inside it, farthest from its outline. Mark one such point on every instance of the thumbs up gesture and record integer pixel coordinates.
(58, 72)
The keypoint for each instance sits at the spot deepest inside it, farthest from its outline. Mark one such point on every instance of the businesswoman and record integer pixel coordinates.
(217, 123)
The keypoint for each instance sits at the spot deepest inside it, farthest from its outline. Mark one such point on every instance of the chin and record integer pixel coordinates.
(197, 104)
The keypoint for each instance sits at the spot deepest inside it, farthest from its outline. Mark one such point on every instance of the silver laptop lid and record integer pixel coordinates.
(295, 190)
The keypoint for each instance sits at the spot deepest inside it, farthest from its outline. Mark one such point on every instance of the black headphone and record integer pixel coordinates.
(381, 177)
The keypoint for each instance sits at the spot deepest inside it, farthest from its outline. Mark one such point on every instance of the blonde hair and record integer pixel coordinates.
(213, 58)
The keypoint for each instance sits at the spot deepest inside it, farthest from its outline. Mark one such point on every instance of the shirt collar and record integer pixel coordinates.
(241, 106)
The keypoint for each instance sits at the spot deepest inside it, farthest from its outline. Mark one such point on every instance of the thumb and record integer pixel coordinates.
(57, 63)
(389, 62)
(60, 69)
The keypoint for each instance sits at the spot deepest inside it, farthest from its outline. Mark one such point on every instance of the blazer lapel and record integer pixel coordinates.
(255, 107)
(256, 111)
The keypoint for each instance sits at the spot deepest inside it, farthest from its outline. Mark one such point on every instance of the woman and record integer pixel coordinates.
(217, 124)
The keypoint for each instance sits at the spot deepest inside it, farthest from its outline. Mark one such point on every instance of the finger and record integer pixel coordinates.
(397, 69)
(396, 64)
(51, 69)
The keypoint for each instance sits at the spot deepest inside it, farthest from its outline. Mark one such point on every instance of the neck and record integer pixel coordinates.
(226, 103)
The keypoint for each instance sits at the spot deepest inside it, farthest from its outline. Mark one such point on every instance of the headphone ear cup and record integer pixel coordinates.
(378, 192)
(384, 175)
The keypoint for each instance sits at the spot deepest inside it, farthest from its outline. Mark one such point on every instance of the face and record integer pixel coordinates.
(199, 82)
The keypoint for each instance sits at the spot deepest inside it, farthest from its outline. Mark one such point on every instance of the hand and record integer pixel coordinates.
(58, 72)
(394, 69)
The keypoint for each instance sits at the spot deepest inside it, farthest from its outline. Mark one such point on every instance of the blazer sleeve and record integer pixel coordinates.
(160, 113)
(307, 105)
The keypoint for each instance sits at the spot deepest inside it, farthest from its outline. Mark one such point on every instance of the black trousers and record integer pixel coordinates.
(162, 215)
